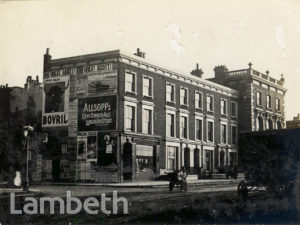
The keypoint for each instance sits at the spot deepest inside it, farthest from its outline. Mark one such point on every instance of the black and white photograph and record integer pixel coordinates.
(149, 112)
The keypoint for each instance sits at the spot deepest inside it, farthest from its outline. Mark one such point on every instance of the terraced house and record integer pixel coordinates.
(113, 116)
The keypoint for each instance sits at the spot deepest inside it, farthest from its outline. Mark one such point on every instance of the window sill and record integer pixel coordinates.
(172, 102)
(129, 92)
(147, 96)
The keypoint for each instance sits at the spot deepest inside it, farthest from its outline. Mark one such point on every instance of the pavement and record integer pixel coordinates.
(81, 189)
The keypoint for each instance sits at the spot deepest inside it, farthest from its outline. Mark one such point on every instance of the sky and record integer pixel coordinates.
(174, 34)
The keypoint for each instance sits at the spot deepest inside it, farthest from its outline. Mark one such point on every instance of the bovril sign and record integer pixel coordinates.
(55, 101)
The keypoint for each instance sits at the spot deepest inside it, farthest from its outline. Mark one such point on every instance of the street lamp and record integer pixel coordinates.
(26, 131)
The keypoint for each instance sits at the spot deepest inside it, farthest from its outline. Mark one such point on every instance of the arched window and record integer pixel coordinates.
(279, 125)
(260, 125)
(270, 124)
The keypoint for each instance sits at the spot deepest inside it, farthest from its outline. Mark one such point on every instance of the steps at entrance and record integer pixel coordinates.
(218, 176)
(192, 177)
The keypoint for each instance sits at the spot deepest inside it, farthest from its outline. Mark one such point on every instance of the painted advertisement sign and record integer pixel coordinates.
(97, 113)
(55, 101)
(96, 80)
(103, 83)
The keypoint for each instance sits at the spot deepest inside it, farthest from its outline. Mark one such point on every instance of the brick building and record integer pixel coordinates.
(295, 123)
(112, 116)
(261, 97)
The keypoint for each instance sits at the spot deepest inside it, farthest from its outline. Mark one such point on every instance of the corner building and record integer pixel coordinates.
(114, 117)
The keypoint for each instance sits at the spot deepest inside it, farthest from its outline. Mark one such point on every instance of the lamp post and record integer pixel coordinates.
(26, 132)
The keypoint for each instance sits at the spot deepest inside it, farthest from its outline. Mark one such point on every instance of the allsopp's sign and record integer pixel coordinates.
(97, 113)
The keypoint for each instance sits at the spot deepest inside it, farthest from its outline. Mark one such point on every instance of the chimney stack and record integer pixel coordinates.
(47, 60)
(197, 72)
(139, 53)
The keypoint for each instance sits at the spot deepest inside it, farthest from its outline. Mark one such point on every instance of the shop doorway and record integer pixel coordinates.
(127, 161)
(56, 170)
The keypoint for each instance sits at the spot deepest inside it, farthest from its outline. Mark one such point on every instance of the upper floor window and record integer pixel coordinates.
(198, 129)
(234, 135)
(170, 125)
(223, 107)
(210, 131)
(147, 86)
(233, 109)
(223, 133)
(183, 126)
(147, 121)
(277, 102)
(269, 103)
(130, 82)
(210, 103)
(170, 92)
(183, 96)
(258, 98)
(198, 100)
(130, 118)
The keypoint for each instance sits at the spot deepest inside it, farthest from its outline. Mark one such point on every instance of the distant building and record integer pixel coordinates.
(295, 123)
(113, 116)
(19, 96)
(18, 107)
(261, 97)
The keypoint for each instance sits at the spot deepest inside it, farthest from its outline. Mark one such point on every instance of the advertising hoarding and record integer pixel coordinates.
(56, 101)
(97, 113)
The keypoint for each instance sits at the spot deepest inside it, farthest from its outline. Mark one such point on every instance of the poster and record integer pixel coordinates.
(104, 83)
(82, 147)
(92, 148)
(55, 101)
(97, 113)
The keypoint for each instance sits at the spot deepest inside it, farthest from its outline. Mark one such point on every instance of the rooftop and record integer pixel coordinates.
(145, 64)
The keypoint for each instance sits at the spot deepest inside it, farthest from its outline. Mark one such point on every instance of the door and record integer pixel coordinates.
(127, 161)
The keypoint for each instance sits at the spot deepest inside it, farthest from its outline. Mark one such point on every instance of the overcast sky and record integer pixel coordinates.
(175, 34)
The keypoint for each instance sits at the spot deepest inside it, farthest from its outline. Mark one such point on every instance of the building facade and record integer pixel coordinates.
(112, 116)
(261, 97)
(295, 123)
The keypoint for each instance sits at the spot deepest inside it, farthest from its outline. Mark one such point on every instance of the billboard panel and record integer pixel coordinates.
(104, 83)
(97, 113)
(56, 101)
